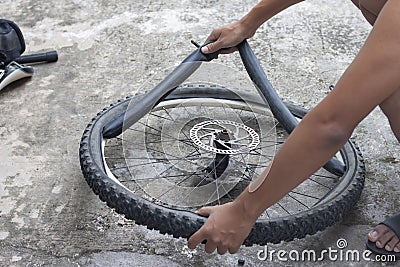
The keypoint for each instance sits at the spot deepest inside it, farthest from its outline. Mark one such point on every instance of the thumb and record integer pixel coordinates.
(204, 211)
(211, 48)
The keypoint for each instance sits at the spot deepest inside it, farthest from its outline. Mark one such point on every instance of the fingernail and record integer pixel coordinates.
(373, 234)
(388, 247)
(204, 49)
(378, 244)
(396, 249)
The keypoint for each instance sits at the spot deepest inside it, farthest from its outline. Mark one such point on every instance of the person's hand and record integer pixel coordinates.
(225, 229)
(227, 36)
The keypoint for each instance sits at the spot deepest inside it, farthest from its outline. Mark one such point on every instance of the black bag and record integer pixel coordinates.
(12, 43)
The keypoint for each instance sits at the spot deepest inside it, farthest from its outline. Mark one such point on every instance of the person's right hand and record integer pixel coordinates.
(227, 36)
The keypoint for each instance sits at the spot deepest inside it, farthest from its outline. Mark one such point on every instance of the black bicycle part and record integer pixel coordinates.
(219, 164)
(46, 57)
(12, 42)
(181, 223)
(278, 108)
(187, 68)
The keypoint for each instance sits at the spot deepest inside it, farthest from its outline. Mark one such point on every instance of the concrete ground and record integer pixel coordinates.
(107, 50)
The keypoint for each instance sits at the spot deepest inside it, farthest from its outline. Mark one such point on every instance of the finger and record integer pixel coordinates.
(194, 241)
(233, 250)
(204, 211)
(202, 233)
(229, 50)
(222, 250)
(196, 238)
(213, 47)
(210, 246)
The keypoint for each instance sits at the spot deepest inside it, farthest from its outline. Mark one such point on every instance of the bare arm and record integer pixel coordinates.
(265, 10)
(232, 34)
(369, 80)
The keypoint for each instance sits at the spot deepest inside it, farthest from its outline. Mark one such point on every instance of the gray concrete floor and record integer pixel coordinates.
(107, 50)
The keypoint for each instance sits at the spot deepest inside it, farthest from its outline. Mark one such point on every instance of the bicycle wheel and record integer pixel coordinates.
(202, 145)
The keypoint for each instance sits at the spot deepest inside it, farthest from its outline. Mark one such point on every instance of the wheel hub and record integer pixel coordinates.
(224, 137)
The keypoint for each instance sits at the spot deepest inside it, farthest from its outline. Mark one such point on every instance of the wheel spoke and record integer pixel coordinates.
(180, 160)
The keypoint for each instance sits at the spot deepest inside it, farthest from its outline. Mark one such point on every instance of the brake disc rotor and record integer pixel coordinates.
(241, 137)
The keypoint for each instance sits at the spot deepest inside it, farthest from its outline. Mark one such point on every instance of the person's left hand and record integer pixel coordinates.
(225, 229)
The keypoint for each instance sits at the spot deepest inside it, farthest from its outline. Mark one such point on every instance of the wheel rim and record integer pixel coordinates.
(180, 180)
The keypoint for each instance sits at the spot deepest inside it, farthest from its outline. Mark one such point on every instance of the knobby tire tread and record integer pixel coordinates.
(180, 223)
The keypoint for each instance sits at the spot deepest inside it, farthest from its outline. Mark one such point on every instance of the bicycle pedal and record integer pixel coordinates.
(14, 72)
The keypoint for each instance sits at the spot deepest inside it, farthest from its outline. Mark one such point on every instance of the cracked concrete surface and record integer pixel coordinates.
(107, 50)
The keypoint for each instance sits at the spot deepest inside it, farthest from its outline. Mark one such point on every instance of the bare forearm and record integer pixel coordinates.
(372, 79)
(309, 147)
(265, 10)
(369, 80)
(229, 36)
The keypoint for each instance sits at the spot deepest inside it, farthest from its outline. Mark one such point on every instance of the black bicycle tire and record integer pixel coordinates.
(181, 223)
